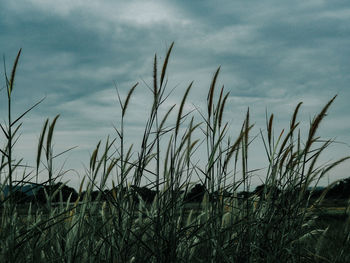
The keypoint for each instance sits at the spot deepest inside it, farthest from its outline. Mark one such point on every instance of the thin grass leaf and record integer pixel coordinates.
(13, 73)
(49, 137)
(3, 153)
(23, 114)
(284, 156)
(295, 115)
(211, 92)
(40, 144)
(155, 84)
(222, 108)
(94, 156)
(63, 152)
(335, 164)
(233, 148)
(119, 99)
(15, 131)
(165, 64)
(167, 154)
(316, 122)
(246, 132)
(3, 130)
(179, 116)
(166, 117)
(324, 193)
(287, 138)
(269, 129)
(111, 166)
(217, 109)
(128, 98)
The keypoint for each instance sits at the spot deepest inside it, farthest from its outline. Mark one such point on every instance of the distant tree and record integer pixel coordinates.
(196, 194)
(94, 195)
(316, 193)
(346, 190)
(259, 190)
(146, 194)
(217, 195)
(22, 193)
(65, 191)
(40, 196)
(19, 197)
(340, 190)
(82, 195)
(243, 194)
(106, 195)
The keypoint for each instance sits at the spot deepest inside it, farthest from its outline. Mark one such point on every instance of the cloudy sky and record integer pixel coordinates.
(273, 54)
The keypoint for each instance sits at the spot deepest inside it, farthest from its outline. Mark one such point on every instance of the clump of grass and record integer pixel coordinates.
(271, 226)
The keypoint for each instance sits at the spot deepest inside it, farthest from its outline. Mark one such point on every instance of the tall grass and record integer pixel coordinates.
(275, 225)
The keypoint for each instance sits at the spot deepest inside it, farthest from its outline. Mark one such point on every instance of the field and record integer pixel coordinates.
(278, 223)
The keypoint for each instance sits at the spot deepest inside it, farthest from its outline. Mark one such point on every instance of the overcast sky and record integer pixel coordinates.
(273, 54)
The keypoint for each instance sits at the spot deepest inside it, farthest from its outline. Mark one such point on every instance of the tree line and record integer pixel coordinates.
(37, 193)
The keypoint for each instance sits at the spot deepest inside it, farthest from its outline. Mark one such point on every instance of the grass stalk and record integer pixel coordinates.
(229, 223)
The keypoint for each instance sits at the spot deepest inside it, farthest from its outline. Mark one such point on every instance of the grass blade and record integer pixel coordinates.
(165, 65)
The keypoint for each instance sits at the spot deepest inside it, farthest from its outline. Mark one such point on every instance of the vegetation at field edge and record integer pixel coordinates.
(277, 224)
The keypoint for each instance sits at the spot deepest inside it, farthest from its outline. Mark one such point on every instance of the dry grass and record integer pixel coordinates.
(276, 227)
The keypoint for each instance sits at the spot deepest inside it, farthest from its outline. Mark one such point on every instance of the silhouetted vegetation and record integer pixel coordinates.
(38, 193)
(275, 222)
(340, 190)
